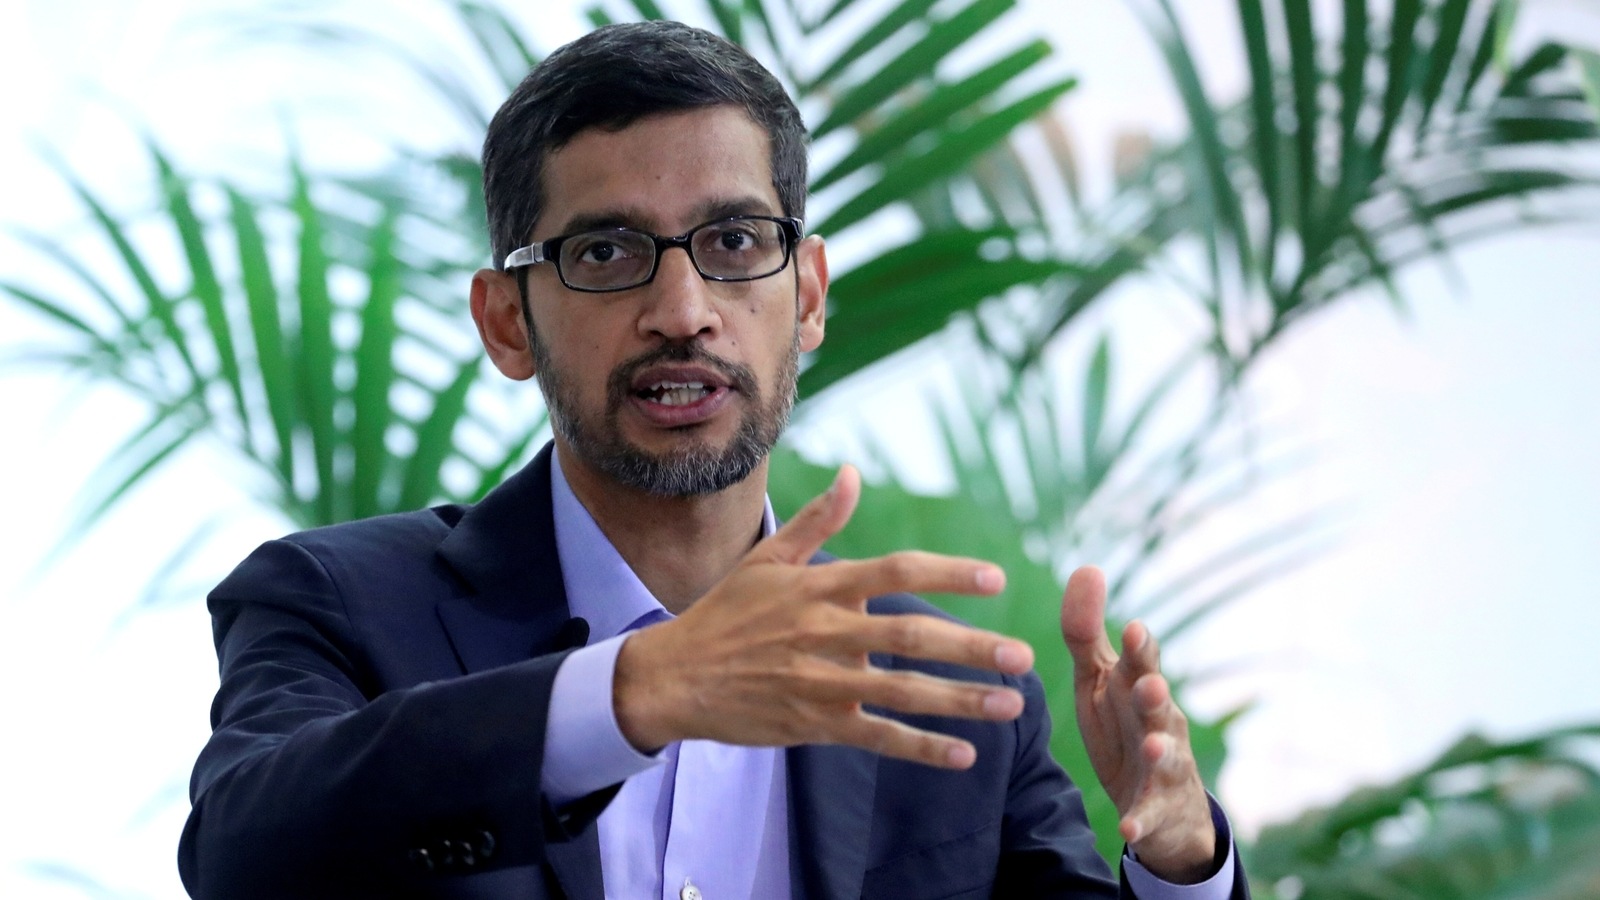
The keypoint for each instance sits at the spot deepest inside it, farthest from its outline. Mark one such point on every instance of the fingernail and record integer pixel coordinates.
(1012, 656)
(961, 756)
(1001, 703)
(990, 580)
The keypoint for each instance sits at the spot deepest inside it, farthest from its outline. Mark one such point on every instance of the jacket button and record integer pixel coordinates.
(422, 859)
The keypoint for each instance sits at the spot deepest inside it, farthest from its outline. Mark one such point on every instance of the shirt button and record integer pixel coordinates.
(690, 892)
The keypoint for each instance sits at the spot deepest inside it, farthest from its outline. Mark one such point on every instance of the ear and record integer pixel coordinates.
(811, 267)
(497, 310)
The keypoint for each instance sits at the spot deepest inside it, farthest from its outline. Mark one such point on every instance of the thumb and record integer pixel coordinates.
(802, 536)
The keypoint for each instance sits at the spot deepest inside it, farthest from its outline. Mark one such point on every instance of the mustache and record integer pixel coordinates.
(739, 377)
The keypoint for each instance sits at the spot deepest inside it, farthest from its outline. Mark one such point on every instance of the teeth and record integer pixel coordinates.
(677, 393)
(681, 396)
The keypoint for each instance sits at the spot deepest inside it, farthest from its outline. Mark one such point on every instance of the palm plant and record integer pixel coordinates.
(1512, 819)
(336, 370)
(317, 333)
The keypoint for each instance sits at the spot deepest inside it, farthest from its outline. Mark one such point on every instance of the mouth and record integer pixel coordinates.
(674, 393)
(679, 396)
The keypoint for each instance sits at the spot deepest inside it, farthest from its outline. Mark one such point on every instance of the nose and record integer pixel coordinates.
(678, 302)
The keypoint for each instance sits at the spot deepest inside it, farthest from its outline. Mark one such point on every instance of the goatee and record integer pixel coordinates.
(694, 467)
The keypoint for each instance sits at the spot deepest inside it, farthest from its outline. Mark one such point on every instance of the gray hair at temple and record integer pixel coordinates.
(611, 78)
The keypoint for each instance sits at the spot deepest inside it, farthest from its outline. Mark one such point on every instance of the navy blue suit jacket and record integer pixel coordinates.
(380, 721)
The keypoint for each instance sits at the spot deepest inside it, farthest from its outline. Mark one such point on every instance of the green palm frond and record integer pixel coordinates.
(1486, 820)
(1353, 157)
(294, 335)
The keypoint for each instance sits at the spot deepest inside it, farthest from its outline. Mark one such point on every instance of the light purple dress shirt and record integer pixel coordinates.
(699, 812)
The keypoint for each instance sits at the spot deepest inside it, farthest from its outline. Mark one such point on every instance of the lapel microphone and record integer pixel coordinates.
(572, 634)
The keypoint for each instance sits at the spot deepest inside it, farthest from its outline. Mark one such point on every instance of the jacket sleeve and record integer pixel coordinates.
(1048, 844)
(316, 782)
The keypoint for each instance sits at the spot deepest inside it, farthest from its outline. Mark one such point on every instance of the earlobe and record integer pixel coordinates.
(497, 311)
(811, 267)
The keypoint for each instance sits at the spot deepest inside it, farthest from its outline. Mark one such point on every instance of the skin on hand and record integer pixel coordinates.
(1137, 737)
(776, 653)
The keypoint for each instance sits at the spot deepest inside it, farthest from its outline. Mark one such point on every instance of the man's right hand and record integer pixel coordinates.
(776, 653)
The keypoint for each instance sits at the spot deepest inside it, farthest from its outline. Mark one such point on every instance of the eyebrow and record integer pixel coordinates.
(629, 217)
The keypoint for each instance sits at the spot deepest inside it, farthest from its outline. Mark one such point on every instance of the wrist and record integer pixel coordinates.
(638, 694)
(1191, 862)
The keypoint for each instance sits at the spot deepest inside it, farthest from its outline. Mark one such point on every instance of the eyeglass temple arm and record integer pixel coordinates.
(531, 255)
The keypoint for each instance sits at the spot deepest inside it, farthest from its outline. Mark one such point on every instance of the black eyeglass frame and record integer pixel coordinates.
(549, 251)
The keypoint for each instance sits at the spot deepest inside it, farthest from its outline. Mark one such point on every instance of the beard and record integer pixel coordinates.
(694, 467)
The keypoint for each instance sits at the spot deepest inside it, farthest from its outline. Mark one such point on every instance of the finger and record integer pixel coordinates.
(1141, 654)
(1156, 709)
(917, 693)
(802, 536)
(899, 740)
(1083, 623)
(1166, 771)
(1152, 701)
(910, 571)
(931, 638)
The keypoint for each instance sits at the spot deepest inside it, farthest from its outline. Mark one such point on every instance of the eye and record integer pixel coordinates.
(597, 252)
(737, 239)
(607, 249)
(733, 239)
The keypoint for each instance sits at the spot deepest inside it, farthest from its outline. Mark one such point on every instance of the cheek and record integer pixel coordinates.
(582, 352)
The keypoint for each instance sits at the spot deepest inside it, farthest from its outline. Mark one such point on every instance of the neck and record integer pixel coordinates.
(678, 546)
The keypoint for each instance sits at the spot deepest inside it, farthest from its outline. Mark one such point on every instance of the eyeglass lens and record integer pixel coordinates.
(732, 249)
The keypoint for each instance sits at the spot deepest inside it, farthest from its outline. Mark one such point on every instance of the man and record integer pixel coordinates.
(616, 676)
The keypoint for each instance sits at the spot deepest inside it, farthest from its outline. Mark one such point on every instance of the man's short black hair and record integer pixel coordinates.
(611, 78)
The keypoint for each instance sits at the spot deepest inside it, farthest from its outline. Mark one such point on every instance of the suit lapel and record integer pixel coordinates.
(830, 819)
(504, 549)
(831, 791)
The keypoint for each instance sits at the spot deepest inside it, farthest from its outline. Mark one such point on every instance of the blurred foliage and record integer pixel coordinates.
(317, 333)
(1485, 820)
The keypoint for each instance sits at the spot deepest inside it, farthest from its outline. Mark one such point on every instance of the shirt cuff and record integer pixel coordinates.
(1219, 886)
(584, 749)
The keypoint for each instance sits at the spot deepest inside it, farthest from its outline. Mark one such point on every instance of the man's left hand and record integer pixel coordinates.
(1137, 737)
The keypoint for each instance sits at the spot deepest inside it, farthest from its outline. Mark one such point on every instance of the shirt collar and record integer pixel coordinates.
(601, 587)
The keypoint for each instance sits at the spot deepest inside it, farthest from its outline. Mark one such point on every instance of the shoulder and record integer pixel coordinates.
(389, 536)
(384, 550)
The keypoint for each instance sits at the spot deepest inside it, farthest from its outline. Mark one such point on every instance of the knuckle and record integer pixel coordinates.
(904, 635)
(974, 703)
(812, 624)
(898, 692)
(980, 647)
(901, 566)
(931, 748)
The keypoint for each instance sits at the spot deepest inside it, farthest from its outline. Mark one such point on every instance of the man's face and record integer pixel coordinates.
(680, 386)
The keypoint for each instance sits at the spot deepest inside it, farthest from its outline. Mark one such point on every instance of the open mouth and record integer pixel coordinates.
(675, 393)
(679, 395)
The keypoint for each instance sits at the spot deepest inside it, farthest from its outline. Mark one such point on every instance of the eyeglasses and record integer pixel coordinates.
(738, 248)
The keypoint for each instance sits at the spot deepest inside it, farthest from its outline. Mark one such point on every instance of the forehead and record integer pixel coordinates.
(663, 172)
